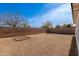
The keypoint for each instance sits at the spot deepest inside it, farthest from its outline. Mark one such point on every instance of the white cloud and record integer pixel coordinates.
(59, 15)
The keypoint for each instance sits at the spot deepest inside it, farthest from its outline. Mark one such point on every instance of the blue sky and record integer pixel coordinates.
(38, 13)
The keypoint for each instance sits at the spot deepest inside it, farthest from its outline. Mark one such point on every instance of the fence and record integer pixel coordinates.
(5, 32)
(61, 30)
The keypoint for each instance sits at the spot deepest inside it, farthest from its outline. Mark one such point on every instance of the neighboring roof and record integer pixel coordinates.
(75, 9)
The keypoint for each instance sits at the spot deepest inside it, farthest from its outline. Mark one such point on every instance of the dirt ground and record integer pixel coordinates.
(36, 45)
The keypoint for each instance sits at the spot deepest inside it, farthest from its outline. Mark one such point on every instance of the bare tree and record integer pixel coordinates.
(12, 20)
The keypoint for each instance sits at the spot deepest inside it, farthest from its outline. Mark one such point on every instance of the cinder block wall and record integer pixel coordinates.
(8, 32)
(62, 30)
(5, 32)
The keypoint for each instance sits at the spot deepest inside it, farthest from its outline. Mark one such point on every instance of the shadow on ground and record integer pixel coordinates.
(73, 49)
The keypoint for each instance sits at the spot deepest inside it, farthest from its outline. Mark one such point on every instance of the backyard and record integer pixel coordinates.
(36, 44)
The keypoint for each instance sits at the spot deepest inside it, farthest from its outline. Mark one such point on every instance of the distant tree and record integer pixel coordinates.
(11, 20)
(47, 24)
(67, 25)
(64, 25)
(58, 26)
(44, 26)
(25, 25)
